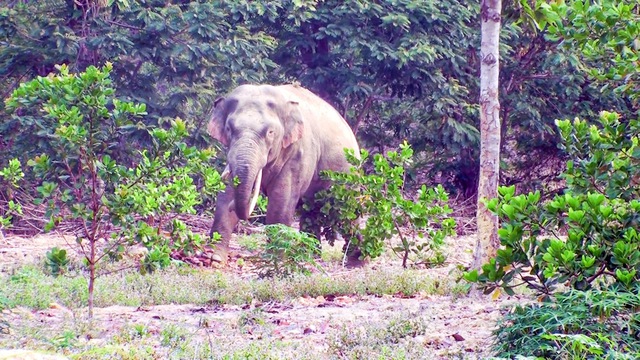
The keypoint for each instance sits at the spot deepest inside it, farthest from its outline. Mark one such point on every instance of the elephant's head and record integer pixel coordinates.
(257, 124)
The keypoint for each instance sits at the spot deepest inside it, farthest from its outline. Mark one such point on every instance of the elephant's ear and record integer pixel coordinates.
(217, 121)
(293, 124)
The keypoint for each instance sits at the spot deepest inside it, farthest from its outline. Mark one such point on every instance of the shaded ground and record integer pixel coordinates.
(454, 327)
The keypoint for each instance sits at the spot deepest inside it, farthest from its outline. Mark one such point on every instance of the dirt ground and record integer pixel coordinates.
(455, 325)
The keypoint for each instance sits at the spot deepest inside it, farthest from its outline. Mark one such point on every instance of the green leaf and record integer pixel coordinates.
(471, 276)
(492, 205)
(576, 215)
(507, 192)
(606, 210)
(508, 210)
(595, 199)
(587, 262)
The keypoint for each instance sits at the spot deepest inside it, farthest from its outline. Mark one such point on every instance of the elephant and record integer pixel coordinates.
(279, 140)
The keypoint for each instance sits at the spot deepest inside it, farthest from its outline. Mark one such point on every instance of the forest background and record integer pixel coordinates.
(403, 71)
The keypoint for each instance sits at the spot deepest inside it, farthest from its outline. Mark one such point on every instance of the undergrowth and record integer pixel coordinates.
(30, 286)
(577, 325)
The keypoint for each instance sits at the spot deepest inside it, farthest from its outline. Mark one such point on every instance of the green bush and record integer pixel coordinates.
(589, 324)
(287, 252)
(82, 177)
(420, 222)
(599, 213)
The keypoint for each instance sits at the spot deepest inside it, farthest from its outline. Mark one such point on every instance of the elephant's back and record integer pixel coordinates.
(326, 132)
(321, 117)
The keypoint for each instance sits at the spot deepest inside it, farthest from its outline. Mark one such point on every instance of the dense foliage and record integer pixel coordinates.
(173, 57)
(606, 33)
(10, 178)
(599, 213)
(580, 248)
(397, 70)
(401, 70)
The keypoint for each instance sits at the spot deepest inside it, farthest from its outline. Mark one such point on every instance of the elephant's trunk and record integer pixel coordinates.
(246, 166)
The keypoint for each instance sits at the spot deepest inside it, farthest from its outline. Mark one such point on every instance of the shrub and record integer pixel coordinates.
(287, 252)
(577, 325)
(599, 212)
(421, 221)
(82, 177)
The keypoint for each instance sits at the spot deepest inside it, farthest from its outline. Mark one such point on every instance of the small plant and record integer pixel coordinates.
(10, 177)
(173, 336)
(287, 252)
(405, 327)
(156, 258)
(420, 222)
(388, 338)
(260, 212)
(599, 212)
(57, 261)
(139, 330)
(131, 333)
(65, 340)
(250, 320)
(249, 242)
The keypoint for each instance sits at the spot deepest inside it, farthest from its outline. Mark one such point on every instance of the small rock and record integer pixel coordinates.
(97, 342)
(23, 312)
(137, 252)
(56, 306)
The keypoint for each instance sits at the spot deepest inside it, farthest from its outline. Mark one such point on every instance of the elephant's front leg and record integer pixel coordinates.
(224, 221)
(283, 199)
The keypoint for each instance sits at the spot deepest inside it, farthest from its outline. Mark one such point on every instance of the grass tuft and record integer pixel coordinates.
(393, 337)
(30, 287)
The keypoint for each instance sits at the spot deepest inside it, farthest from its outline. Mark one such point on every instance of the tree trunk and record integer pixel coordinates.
(488, 242)
(92, 276)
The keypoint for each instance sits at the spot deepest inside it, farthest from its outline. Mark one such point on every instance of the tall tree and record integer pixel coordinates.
(487, 243)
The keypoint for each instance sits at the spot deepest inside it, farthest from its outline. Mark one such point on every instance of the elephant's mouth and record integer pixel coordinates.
(255, 190)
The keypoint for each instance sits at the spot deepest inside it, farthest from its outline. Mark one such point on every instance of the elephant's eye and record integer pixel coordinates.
(271, 133)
